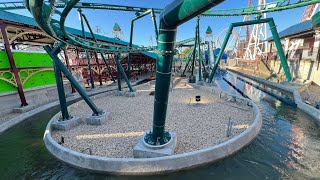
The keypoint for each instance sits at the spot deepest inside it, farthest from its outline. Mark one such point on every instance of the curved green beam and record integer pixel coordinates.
(15, 5)
(185, 41)
(43, 12)
(153, 17)
(275, 36)
(279, 5)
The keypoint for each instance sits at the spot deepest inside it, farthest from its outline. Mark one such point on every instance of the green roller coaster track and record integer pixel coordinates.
(279, 5)
(265, 8)
(43, 11)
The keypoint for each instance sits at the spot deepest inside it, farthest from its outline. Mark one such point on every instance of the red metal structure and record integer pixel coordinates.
(308, 12)
(248, 19)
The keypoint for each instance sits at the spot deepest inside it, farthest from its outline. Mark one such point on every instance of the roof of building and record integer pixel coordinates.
(116, 27)
(294, 30)
(17, 18)
(209, 30)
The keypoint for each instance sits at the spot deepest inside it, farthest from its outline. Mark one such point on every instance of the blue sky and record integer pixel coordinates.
(144, 28)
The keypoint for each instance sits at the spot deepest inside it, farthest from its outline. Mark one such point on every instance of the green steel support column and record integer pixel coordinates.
(275, 37)
(172, 16)
(130, 45)
(131, 34)
(61, 93)
(185, 68)
(90, 70)
(119, 67)
(203, 65)
(153, 16)
(277, 42)
(94, 38)
(202, 60)
(224, 44)
(194, 54)
(108, 67)
(116, 57)
(166, 46)
(72, 80)
(198, 44)
(87, 53)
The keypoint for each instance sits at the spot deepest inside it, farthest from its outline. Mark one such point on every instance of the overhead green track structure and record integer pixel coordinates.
(83, 5)
(279, 5)
(43, 13)
(185, 41)
(153, 16)
(276, 39)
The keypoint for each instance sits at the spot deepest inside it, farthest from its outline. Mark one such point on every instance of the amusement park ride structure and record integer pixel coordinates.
(257, 44)
(170, 18)
(292, 46)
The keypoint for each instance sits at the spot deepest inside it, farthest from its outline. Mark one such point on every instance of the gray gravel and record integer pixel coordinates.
(197, 126)
(313, 97)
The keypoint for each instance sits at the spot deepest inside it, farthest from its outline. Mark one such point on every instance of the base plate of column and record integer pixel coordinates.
(119, 93)
(144, 150)
(98, 120)
(192, 79)
(66, 124)
(23, 109)
(130, 94)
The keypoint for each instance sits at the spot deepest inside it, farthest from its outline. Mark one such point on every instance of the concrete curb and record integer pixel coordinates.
(158, 165)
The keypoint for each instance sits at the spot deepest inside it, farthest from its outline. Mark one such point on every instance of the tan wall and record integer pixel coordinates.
(305, 71)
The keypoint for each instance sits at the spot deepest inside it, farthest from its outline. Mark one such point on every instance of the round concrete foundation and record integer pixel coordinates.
(157, 165)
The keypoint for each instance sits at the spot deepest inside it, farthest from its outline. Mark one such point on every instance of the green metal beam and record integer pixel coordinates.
(185, 41)
(278, 44)
(43, 12)
(121, 70)
(73, 81)
(153, 17)
(150, 11)
(116, 57)
(194, 51)
(94, 38)
(189, 60)
(87, 53)
(171, 17)
(61, 93)
(199, 50)
(274, 6)
(275, 37)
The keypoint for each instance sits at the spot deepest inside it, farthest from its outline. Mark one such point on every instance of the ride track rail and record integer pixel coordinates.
(44, 11)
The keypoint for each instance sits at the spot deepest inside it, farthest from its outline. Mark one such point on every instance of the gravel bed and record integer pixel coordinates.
(197, 126)
(313, 97)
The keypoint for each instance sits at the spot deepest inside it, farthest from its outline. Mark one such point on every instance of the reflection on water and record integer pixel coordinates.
(288, 147)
